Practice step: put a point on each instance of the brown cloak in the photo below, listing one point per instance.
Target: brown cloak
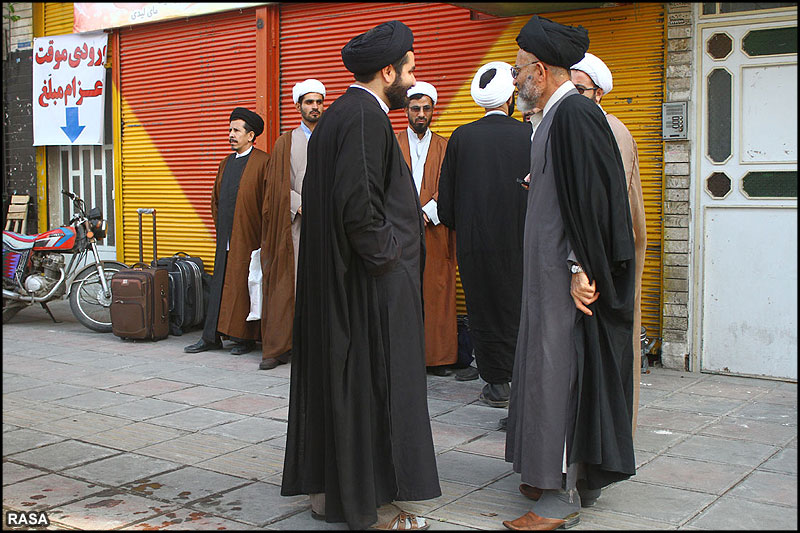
(439, 277)
(630, 160)
(245, 237)
(277, 254)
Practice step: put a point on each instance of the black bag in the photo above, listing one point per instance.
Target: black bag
(466, 351)
(187, 303)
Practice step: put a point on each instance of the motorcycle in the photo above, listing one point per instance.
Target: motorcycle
(34, 271)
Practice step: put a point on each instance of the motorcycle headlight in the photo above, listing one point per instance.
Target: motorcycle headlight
(99, 229)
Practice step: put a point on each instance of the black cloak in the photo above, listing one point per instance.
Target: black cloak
(358, 427)
(593, 199)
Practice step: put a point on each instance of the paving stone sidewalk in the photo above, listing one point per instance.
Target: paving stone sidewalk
(108, 434)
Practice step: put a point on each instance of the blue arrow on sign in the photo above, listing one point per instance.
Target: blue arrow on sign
(72, 129)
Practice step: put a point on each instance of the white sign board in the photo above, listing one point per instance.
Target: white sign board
(69, 90)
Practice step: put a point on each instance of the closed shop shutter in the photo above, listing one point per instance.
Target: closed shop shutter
(179, 82)
(449, 48)
(58, 18)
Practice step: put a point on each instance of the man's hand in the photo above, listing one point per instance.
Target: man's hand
(425, 218)
(583, 293)
(300, 210)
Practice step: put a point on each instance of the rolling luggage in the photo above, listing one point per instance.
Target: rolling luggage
(140, 296)
(187, 305)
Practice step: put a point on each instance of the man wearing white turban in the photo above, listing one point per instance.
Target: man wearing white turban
(423, 151)
(593, 79)
(281, 216)
(480, 198)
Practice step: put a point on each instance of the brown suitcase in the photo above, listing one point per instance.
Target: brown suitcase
(140, 296)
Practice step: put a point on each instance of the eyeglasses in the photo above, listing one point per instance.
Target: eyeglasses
(582, 89)
(417, 109)
(515, 70)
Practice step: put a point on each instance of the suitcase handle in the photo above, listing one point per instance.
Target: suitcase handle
(147, 210)
(139, 265)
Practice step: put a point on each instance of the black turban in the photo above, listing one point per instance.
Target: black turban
(382, 45)
(252, 119)
(553, 43)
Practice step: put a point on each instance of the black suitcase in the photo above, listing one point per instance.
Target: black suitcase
(140, 297)
(187, 305)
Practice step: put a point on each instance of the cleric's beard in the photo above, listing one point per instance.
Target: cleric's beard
(528, 96)
(396, 94)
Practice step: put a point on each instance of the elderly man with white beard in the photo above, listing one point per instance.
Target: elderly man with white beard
(569, 424)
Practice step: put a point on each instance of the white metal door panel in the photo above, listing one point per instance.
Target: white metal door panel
(750, 291)
(745, 300)
(763, 116)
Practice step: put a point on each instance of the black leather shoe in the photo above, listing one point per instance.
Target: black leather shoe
(496, 395)
(438, 370)
(272, 362)
(201, 346)
(241, 348)
(503, 424)
(467, 374)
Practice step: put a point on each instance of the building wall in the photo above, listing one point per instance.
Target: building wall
(19, 155)
(675, 346)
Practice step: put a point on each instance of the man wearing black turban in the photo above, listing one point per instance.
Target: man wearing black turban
(359, 434)
(572, 396)
(236, 208)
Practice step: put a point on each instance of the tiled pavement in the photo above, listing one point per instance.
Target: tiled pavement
(107, 434)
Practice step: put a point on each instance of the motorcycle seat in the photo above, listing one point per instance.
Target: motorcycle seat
(17, 241)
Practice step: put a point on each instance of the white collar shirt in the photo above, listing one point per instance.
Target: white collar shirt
(381, 102)
(418, 150)
(238, 155)
(305, 129)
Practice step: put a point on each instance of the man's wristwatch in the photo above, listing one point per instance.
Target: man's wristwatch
(575, 268)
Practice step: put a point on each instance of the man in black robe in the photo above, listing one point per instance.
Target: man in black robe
(480, 198)
(571, 401)
(236, 209)
(359, 432)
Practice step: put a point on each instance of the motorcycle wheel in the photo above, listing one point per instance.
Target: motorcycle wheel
(10, 310)
(86, 298)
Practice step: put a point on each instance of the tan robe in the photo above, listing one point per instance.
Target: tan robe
(245, 237)
(630, 160)
(297, 167)
(439, 278)
(277, 254)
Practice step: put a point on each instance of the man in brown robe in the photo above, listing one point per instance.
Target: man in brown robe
(236, 208)
(593, 78)
(280, 220)
(439, 278)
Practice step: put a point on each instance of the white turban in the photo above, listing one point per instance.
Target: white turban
(498, 89)
(423, 87)
(308, 86)
(594, 67)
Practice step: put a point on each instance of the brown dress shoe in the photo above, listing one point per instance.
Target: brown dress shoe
(530, 492)
(533, 522)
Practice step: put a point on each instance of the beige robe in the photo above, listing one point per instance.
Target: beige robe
(439, 277)
(297, 167)
(277, 254)
(245, 237)
(630, 160)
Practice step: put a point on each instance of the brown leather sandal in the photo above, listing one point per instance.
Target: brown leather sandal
(403, 521)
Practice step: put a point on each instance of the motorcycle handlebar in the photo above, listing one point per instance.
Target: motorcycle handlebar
(68, 194)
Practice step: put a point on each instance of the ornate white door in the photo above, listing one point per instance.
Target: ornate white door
(746, 194)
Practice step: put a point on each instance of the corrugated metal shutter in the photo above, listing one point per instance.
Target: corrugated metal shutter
(449, 48)
(179, 82)
(58, 18)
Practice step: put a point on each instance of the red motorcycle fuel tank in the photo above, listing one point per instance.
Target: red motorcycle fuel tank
(60, 239)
